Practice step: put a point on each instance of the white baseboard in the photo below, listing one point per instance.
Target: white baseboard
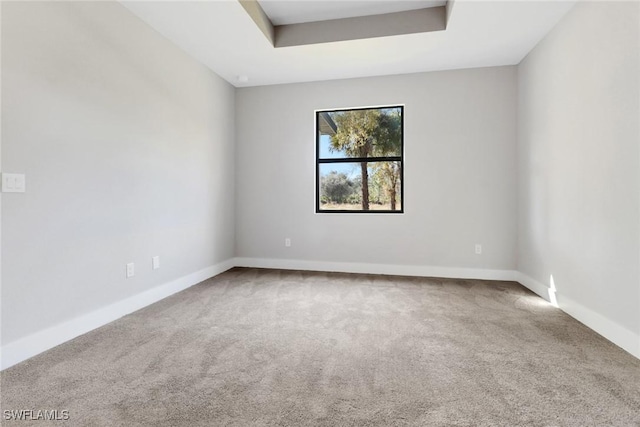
(24, 348)
(612, 331)
(388, 269)
(617, 334)
(31, 345)
(533, 285)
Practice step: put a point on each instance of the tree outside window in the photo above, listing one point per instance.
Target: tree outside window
(359, 154)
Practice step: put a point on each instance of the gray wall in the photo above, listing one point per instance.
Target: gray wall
(127, 146)
(460, 189)
(578, 161)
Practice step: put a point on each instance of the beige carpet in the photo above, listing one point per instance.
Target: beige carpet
(286, 348)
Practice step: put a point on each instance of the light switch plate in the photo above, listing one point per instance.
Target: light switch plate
(13, 183)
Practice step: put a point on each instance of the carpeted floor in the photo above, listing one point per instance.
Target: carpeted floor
(258, 347)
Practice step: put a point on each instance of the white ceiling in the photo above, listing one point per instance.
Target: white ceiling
(221, 35)
(282, 12)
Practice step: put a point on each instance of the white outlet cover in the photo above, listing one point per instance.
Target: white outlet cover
(155, 262)
(131, 270)
(13, 183)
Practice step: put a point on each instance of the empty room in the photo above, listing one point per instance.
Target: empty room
(320, 213)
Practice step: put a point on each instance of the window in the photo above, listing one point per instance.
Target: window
(359, 160)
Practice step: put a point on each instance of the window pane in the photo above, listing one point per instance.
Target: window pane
(326, 152)
(360, 133)
(385, 186)
(340, 186)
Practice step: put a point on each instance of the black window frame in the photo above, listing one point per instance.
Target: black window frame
(399, 159)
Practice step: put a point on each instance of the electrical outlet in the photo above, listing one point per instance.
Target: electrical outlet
(155, 262)
(287, 242)
(131, 270)
(478, 249)
(13, 183)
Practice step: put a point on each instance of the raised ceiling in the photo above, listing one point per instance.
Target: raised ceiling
(346, 28)
(283, 12)
(223, 36)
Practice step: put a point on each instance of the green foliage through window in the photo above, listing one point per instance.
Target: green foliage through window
(359, 155)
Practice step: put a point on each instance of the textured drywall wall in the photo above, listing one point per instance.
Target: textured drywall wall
(460, 177)
(127, 147)
(578, 161)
